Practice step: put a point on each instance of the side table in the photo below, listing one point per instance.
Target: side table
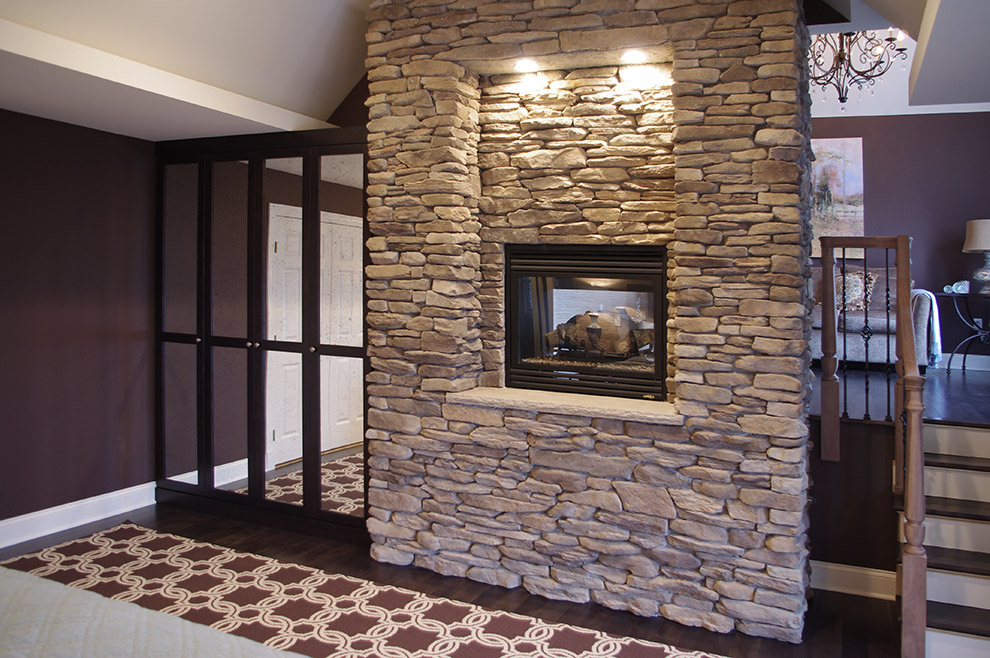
(976, 323)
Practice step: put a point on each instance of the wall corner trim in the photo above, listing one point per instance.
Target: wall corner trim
(848, 579)
(70, 515)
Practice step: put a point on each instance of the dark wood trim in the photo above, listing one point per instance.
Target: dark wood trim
(959, 619)
(958, 561)
(244, 146)
(311, 332)
(204, 328)
(257, 250)
(273, 515)
(159, 274)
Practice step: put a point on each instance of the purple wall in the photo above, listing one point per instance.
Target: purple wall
(925, 176)
(76, 299)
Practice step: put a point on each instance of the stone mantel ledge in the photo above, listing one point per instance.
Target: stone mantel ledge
(576, 404)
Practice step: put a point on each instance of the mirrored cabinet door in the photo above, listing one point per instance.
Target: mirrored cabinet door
(283, 267)
(180, 226)
(341, 319)
(229, 249)
(263, 342)
(180, 427)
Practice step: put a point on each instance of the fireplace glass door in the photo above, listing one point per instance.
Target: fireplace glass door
(586, 320)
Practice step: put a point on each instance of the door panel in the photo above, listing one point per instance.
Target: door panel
(179, 240)
(179, 424)
(283, 427)
(229, 246)
(230, 419)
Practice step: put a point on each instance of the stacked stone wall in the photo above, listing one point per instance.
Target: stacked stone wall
(585, 159)
(697, 515)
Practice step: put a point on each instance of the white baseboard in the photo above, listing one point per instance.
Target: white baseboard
(230, 472)
(973, 362)
(861, 581)
(55, 519)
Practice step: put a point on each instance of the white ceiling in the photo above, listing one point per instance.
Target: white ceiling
(171, 69)
(181, 68)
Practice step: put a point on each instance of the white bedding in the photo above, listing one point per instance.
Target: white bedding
(44, 618)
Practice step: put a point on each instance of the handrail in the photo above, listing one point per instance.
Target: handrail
(908, 449)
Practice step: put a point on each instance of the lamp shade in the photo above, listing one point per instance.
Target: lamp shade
(977, 236)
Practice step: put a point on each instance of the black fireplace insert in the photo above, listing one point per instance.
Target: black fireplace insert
(587, 319)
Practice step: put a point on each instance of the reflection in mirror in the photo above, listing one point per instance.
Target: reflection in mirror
(179, 421)
(230, 426)
(229, 245)
(341, 249)
(283, 189)
(179, 244)
(342, 434)
(283, 427)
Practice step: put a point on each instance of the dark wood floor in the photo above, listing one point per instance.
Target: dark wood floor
(956, 397)
(837, 625)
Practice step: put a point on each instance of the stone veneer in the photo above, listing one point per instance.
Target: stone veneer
(694, 509)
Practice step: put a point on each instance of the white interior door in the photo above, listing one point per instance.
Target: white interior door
(283, 409)
(341, 323)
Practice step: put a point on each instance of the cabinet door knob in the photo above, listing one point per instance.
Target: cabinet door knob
(312, 349)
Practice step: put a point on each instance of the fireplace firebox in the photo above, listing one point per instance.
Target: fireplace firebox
(587, 319)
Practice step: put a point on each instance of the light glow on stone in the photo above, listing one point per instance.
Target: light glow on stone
(633, 57)
(526, 66)
(532, 82)
(642, 77)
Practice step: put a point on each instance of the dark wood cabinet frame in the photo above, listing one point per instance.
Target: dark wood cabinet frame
(255, 150)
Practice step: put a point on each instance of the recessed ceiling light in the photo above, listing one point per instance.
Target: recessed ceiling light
(526, 66)
(634, 57)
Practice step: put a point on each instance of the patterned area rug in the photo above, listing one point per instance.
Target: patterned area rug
(343, 486)
(300, 609)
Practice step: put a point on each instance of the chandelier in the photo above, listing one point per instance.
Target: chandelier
(845, 59)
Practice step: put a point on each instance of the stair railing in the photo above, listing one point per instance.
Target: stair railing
(908, 450)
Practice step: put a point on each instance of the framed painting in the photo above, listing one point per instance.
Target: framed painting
(837, 191)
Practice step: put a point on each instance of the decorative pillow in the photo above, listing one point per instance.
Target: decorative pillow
(858, 289)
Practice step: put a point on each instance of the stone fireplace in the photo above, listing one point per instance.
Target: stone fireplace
(694, 507)
(586, 319)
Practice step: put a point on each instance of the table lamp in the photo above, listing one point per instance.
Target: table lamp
(978, 240)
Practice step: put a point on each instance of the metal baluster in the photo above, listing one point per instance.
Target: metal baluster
(845, 353)
(866, 333)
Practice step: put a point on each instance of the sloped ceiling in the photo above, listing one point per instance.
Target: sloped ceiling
(191, 68)
(953, 52)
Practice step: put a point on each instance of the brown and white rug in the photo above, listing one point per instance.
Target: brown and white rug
(342, 482)
(342, 486)
(301, 609)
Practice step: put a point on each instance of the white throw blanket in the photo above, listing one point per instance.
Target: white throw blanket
(934, 327)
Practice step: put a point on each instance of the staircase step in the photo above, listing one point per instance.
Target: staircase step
(956, 483)
(946, 644)
(952, 559)
(958, 588)
(959, 619)
(957, 508)
(961, 534)
(961, 462)
(956, 440)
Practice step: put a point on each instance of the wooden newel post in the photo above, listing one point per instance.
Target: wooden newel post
(829, 381)
(914, 561)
